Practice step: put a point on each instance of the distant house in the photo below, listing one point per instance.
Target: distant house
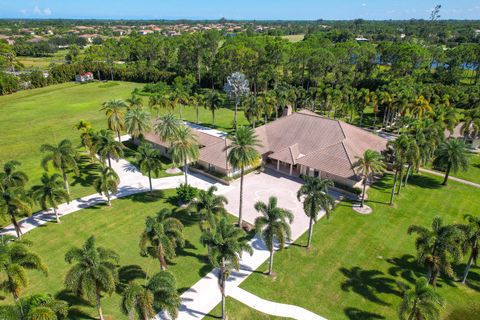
(361, 39)
(473, 141)
(84, 77)
(144, 32)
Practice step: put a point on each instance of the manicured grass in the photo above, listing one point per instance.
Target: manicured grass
(294, 37)
(238, 311)
(43, 62)
(352, 270)
(117, 227)
(473, 172)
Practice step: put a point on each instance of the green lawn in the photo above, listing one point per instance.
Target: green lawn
(117, 227)
(352, 270)
(473, 172)
(43, 62)
(238, 311)
(294, 37)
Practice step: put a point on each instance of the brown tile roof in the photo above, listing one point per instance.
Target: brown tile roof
(321, 143)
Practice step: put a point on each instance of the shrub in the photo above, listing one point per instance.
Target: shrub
(186, 193)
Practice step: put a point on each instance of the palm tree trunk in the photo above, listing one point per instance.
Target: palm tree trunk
(222, 282)
(363, 192)
(109, 161)
(109, 203)
(185, 169)
(99, 306)
(407, 176)
(241, 199)
(65, 182)
(213, 119)
(270, 263)
(56, 214)
(413, 312)
(394, 186)
(150, 180)
(400, 184)
(196, 111)
(18, 230)
(470, 261)
(447, 173)
(161, 259)
(235, 115)
(119, 136)
(310, 233)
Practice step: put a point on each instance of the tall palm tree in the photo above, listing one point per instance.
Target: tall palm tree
(167, 127)
(315, 196)
(87, 136)
(180, 98)
(421, 302)
(213, 102)
(107, 147)
(106, 182)
(472, 234)
(197, 100)
(226, 245)
(437, 248)
(242, 154)
(50, 193)
(252, 109)
(452, 155)
(161, 236)
(185, 149)
(159, 292)
(370, 164)
(115, 111)
(210, 207)
(14, 202)
(10, 177)
(273, 225)
(155, 103)
(15, 259)
(149, 159)
(63, 158)
(137, 122)
(95, 272)
(135, 101)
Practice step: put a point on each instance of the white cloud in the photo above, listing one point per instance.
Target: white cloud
(23, 11)
(37, 10)
(364, 4)
(47, 11)
(42, 12)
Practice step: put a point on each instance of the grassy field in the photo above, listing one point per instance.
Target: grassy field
(352, 270)
(43, 62)
(238, 311)
(117, 227)
(473, 172)
(294, 37)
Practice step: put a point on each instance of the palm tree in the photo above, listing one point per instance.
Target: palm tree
(149, 159)
(107, 148)
(95, 272)
(14, 202)
(315, 198)
(160, 292)
(161, 236)
(419, 303)
(273, 226)
(87, 136)
(36, 307)
(242, 155)
(50, 193)
(213, 102)
(11, 177)
(370, 164)
(185, 149)
(452, 155)
(134, 101)
(15, 259)
(472, 234)
(167, 127)
(63, 158)
(226, 245)
(197, 100)
(115, 112)
(106, 182)
(137, 122)
(180, 98)
(210, 207)
(437, 248)
(252, 109)
(155, 103)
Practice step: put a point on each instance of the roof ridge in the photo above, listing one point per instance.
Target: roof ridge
(348, 155)
(341, 128)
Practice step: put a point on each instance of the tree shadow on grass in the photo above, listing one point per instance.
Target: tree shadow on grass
(129, 273)
(473, 279)
(368, 283)
(357, 314)
(75, 313)
(147, 197)
(72, 299)
(88, 172)
(424, 182)
(405, 267)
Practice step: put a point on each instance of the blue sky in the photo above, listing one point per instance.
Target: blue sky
(238, 9)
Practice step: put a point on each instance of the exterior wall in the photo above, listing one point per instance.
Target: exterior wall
(325, 175)
(208, 168)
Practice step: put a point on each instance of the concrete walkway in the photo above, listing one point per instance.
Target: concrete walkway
(272, 308)
(440, 174)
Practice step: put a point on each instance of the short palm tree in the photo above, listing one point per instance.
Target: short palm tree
(155, 103)
(36, 307)
(315, 196)
(15, 259)
(137, 122)
(210, 207)
(50, 193)
(161, 236)
(185, 149)
(14, 203)
(115, 111)
(167, 127)
(107, 148)
(242, 154)
(135, 101)
(213, 102)
(10, 177)
(419, 303)
(370, 164)
(94, 273)
(149, 159)
(63, 158)
(87, 136)
(452, 155)
(226, 245)
(438, 248)
(106, 182)
(472, 235)
(159, 292)
(273, 225)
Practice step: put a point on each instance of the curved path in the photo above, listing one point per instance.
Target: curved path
(440, 174)
(272, 308)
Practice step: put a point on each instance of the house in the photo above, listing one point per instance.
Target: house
(473, 141)
(299, 143)
(84, 77)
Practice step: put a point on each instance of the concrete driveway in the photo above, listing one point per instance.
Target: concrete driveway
(259, 187)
